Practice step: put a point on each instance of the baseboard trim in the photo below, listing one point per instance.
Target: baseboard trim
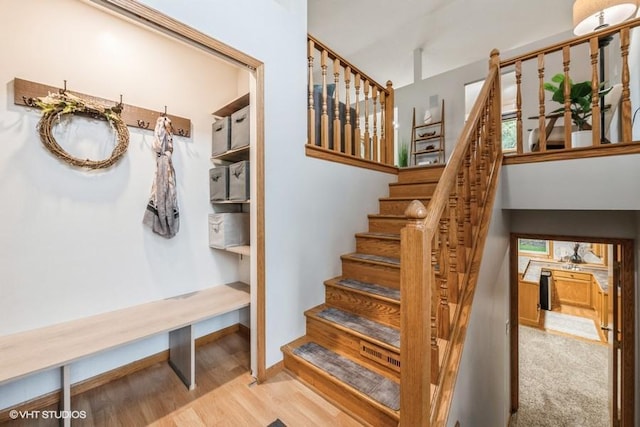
(274, 370)
(52, 398)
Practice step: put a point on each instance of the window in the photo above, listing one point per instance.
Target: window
(508, 84)
(509, 138)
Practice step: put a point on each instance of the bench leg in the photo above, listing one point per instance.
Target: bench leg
(65, 403)
(182, 355)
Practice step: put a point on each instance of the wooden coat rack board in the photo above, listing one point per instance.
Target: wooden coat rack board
(133, 116)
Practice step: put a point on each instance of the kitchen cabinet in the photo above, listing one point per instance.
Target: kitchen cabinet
(573, 288)
(528, 303)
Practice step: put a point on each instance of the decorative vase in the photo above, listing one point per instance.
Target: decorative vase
(581, 138)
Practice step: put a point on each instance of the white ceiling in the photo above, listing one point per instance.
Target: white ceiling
(379, 36)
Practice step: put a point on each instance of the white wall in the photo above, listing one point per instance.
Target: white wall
(73, 243)
(313, 207)
(597, 183)
(481, 396)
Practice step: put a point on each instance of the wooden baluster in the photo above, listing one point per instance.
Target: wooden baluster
(473, 171)
(348, 147)
(566, 60)
(462, 252)
(367, 135)
(324, 118)
(454, 290)
(483, 140)
(542, 128)
(357, 137)
(595, 97)
(519, 144)
(416, 358)
(389, 135)
(435, 303)
(337, 143)
(625, 104)
(444, 326)
(374, 142)
(468, 226)
(495, 112)
(383, 129)
(311, 116)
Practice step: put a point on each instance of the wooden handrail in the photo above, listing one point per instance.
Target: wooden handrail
(609, 31)
(437, 247)
(374, 141)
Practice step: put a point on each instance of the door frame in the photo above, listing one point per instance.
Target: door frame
(158, 21)
(627, 275)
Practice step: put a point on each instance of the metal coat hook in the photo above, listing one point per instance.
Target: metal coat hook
(165, 111)
(142, 124)
(63, 91)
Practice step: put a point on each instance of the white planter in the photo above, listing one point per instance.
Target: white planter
(581, 138)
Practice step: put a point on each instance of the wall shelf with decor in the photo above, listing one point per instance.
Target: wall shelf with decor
(229, 191)
(427, 140)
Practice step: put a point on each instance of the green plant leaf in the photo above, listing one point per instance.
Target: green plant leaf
(558, 78)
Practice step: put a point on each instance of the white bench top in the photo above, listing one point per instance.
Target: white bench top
(28, 352)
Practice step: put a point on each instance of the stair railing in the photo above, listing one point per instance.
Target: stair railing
(578, 59)
(437, 247)
(350, 115)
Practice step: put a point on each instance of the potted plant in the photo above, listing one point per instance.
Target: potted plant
(580, 99)
(403, 155)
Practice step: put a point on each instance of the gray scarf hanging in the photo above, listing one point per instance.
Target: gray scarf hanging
(162, 213)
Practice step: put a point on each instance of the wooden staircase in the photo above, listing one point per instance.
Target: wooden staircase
(358, 326)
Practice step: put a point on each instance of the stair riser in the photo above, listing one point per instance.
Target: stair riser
(416, 190)
(386, 225)
(422, 174)
(384, 312)
(340, 396)
(373, 246)
(345, 344)
(371, 273)
(397, 207)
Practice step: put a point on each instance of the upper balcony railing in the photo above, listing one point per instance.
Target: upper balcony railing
(350, 116)
(552, 120)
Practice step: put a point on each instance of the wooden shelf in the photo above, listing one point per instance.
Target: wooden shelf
(429, 124)
(242, 250)
(430, 151)
(229, 202)
(431, 141)
(236, 155)
(233, 106)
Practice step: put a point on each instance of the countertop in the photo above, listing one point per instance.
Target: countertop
(532, 268)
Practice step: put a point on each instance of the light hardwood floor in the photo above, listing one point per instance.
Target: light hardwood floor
(226, 395)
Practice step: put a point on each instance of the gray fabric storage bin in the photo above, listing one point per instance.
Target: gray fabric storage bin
(228, 229)
(221, 140)
(219, 183)
(239, 181)
(240, 128)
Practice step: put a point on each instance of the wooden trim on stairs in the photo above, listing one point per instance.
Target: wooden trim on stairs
(334, 156)
(449, 369)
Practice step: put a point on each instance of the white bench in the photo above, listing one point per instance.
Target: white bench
(59, 345)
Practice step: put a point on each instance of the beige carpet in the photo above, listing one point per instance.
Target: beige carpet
(563, 381)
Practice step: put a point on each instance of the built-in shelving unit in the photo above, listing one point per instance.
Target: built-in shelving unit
(427, 140)
(233, 156)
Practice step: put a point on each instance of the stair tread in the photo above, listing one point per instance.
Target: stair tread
(403, 198)
(377, 387)
(376, 258)
(386, 236)
(372, 288)
(369, 328)
(387, 216)
(421, 181)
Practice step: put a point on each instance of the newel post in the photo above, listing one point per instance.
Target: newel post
(415, 326)
(496, 108)
(389, 130)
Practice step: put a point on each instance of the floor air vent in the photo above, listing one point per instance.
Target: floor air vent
(380, 355)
